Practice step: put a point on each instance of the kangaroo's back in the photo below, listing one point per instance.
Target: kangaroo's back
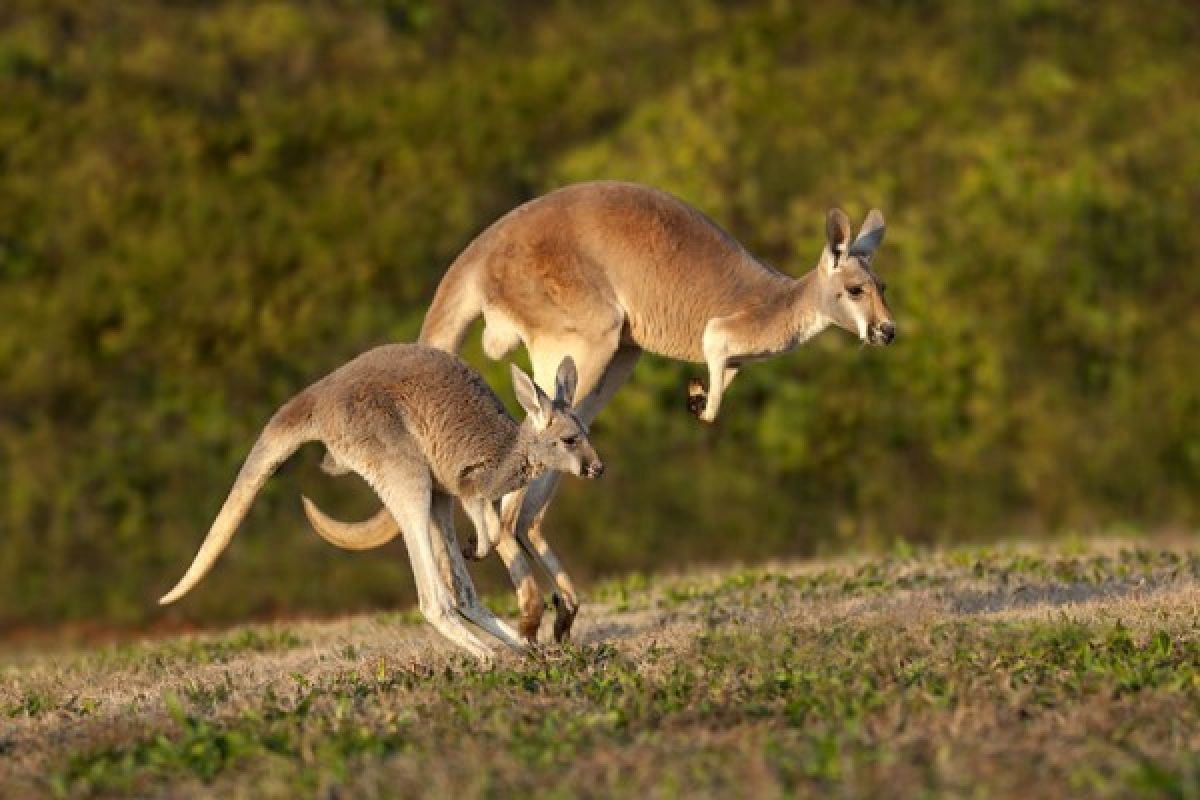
(594, 253)
(414, 396)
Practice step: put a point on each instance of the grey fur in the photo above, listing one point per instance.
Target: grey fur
(421, 427)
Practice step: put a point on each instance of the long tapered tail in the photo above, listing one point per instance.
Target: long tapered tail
(378, 530)
(276, 443)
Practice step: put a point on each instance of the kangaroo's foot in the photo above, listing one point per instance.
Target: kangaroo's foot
(445, 619)
(697, 399)
(480, 615)
(564, 617)
(529, 600)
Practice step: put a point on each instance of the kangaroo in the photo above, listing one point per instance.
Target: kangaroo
(421, 427)
(605, 270)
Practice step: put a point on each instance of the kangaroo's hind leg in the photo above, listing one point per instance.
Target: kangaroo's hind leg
(529, 596)
(406, 488)
(454, 571)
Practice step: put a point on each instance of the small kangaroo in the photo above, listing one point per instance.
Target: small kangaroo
(605, 270)
(421, 427)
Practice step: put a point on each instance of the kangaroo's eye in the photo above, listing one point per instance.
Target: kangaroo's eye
(855, 291)
(570, 441)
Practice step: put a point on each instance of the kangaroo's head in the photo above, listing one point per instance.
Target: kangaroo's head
(851, 295)
(557, 438)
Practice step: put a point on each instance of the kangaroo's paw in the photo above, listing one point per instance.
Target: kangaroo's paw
(697, 397)
(468, 546)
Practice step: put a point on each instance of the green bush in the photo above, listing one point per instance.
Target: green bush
(203, 207)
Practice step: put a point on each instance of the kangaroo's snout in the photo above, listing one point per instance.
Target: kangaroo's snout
(593, 469)
(884, 333)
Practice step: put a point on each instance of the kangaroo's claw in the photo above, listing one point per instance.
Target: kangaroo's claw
(697, 397)
(468, 546)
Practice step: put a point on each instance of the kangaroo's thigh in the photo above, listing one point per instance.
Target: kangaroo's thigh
(615, 374)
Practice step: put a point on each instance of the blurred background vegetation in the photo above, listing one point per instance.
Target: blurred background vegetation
(205, 206)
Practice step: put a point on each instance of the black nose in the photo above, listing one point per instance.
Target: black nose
(595, 469)
(887, 331)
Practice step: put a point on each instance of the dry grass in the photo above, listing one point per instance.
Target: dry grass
(991, 672)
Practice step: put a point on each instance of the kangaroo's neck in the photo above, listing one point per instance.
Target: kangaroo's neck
(511, 471)
(805, 318)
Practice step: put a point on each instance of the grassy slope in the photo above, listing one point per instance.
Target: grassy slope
(1071, 668)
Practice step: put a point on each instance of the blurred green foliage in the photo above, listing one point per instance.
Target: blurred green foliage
(203, 207)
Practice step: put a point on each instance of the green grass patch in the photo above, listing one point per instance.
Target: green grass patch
(851, 678)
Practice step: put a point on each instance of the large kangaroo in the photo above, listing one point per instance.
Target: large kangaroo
(421, 427)
(602, 271)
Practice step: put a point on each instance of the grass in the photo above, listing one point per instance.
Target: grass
(1044, 671)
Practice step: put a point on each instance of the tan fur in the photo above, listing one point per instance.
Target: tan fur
(604, 270)
(614, 263)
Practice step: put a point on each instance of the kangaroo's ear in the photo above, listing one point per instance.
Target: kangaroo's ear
(565, 382)
(870, 236)
(837, 235)
(535, 402)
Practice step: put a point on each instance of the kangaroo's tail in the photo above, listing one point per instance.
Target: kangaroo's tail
(378, 530)
(283, 435)
(456, 304)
